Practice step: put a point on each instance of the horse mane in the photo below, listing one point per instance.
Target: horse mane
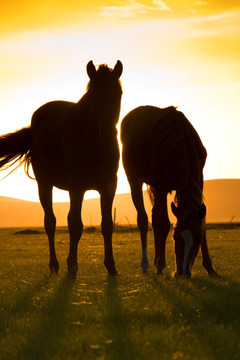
(189, 196)
(188, 200)
(170, 140)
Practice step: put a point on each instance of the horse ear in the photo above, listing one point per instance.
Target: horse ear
(202, 211)
(118, 68)
(174, 209)
(91, 70)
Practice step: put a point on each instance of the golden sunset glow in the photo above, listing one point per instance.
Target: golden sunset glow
(182, 53)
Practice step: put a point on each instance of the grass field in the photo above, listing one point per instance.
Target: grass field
(128, 317)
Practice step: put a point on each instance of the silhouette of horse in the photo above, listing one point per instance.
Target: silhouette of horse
(162, 149)
(74, 147)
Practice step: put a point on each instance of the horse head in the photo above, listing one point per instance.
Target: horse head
(105, 93)
(188, 236)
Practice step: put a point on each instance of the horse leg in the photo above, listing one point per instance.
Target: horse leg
(45, 197)
(75, 226)
(161, 226)
(142, 220)
(206, 260)
(106, 198)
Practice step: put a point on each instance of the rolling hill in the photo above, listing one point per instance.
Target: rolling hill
(222, 198)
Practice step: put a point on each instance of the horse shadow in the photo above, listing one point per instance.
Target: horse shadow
(117, 324)
(50, 327)
(205, 306)
(19, 308)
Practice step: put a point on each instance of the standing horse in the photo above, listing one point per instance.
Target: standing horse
(74, 147)
(162, 149)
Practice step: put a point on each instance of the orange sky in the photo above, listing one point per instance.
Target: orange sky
(183, 53)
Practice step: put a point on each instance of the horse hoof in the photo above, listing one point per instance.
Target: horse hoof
(72, 270)
(213, 274)
(145, 267)
(182, 276)
(111, 268)
(71, 275)
(145, 270)
(113, 274)
(160, 270)
(54, 268)
(112, 271)
(53, 273)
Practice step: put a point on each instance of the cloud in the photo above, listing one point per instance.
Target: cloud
(134, 8)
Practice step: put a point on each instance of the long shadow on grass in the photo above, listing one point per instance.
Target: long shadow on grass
(117, 325)
(210, 309)
(49, 330)
(219, 299)
(21, 306)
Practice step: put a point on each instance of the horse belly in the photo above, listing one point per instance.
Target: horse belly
(92, 165)
(47, 153)
(136, 159)
(49, 168)
(136, 136)
(48, 161)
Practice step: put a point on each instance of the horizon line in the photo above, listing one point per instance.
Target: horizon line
(96, 197)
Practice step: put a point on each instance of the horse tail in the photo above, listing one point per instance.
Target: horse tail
(15, 150)
(151, 193)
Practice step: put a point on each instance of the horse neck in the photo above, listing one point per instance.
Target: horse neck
(103, 129)
(188, 188)
(189, 198)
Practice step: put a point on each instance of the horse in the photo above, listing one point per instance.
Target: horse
(162, 149)
(74, 147)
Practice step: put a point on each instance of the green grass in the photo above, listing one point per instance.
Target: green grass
(128, 317)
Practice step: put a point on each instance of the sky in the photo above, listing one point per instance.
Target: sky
(181, 53)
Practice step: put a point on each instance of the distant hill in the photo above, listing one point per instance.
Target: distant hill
(222, 198)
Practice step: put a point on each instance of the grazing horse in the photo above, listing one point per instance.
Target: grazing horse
(162, 149)
(74, 147)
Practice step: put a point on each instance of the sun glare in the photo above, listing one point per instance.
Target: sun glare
(170, 56)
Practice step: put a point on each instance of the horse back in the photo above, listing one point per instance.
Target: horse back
(67, 148)
(177, 151)
(196, 150)
(48, 124)
(160, 145)
(138, 137)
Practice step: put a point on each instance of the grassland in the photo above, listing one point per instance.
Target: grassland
(128, 317)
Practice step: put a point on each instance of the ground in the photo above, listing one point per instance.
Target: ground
(128, 317)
